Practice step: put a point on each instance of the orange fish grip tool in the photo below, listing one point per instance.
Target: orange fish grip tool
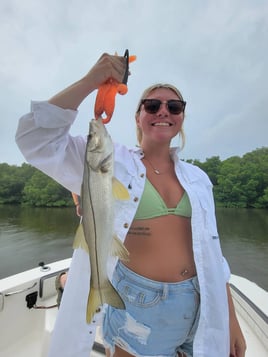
(105, 99)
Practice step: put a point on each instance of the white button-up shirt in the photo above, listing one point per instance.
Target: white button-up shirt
(44, 139)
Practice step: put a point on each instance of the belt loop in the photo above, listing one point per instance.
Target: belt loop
(164, 292)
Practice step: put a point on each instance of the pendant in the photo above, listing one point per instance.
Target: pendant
(156, 172)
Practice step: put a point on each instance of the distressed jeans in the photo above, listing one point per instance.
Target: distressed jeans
(160, 318)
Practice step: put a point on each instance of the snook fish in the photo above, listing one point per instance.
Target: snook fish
(99, 188)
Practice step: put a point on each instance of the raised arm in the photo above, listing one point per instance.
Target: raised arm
(106, 67)
(43, 134)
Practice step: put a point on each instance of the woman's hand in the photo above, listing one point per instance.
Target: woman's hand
(107, 66)
(237, 341)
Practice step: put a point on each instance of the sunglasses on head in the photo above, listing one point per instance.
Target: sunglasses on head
(174, 106)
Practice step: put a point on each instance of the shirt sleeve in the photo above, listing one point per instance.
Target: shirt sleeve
(226, 269)
(44, 139)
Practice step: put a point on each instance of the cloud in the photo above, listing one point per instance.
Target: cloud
(214, 51)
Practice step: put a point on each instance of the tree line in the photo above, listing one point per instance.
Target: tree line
(238, 182)
(26, 185)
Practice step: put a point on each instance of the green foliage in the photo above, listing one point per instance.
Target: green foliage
(12, 180)
(29, 186)
(238, 182)
(211, 167)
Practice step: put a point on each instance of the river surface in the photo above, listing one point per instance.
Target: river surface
(29, 236)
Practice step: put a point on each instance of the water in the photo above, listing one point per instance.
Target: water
(244, 240)
(29, 236)
(32, 235)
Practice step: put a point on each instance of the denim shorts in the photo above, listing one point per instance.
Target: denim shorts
(160, 318)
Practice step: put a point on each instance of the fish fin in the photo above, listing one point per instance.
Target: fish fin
(119, 250)
(111, 297)
(106, 295)
(120, 192)
(79, 239)
(93, 303)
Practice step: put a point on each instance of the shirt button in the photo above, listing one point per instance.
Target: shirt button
(142, 175)
(136, 199)
(125, 225)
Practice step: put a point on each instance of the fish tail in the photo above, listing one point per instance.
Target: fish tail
(93, 304)
(111, 297)
(106, 295)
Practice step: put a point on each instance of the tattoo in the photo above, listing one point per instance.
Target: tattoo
(140, 231)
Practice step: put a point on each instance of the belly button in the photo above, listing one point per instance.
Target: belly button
(184, 272)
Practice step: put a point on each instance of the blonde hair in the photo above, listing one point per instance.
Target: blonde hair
(146, 92)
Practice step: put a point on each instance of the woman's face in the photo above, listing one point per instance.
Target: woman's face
(161, 126)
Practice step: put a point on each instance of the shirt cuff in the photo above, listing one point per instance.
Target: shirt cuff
(47, 115)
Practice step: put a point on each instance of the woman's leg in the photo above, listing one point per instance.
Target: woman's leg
(118, 353)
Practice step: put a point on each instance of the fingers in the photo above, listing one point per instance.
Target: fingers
(112, 66)
(238, 348)
(107, 67)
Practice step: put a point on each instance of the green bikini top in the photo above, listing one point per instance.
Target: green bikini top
(152, 205)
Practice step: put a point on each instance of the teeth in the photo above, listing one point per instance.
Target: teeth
(161, 124)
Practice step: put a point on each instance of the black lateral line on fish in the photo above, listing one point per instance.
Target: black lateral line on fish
(95, 234)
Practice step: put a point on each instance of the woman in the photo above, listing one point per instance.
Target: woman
(76, 200)
(175, 284)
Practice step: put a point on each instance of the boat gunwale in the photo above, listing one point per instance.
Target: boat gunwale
(256, 309)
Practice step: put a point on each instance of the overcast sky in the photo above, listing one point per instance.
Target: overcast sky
(214, 51)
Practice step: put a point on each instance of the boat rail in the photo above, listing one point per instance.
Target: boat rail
(19, 291)
(255, 318)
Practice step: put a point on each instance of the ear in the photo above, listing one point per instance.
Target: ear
(137, 117)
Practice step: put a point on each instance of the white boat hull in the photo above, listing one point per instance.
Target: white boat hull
(27, 332)
(251, 304)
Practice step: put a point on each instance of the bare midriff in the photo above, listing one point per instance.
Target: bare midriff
(161, 248)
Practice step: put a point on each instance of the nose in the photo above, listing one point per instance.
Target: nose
(163, 110)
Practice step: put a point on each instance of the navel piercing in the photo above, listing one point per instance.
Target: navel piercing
(184, 272)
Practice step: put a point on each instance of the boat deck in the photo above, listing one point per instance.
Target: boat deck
(27, 332)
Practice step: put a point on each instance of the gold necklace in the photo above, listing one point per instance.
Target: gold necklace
(155, 170)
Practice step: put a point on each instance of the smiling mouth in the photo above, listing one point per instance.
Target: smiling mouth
(161, 124)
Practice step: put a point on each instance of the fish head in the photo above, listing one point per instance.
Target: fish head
(99, 151)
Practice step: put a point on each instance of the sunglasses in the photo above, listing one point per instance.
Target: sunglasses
(174, 106)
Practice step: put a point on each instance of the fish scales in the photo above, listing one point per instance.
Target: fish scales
(96, 234)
